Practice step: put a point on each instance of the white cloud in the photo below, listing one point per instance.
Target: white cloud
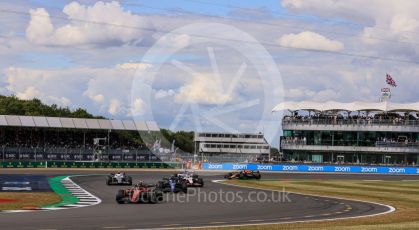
(349, 9)
(40, 26)
(390, 25)
(60, 100)
(310, 40)
(203, 89)
(133, 65)
(164, 93)
(108, 89)
(114, 107)
(48, 86)
(138, 107)
(99, 24)
(98, 98)
(175, 41)
(29, 93)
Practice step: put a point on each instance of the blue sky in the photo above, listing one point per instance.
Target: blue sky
(206, 65)
(220, 8)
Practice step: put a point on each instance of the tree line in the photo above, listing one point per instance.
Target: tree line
(11, 105)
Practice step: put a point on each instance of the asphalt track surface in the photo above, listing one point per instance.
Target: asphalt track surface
(178, 212)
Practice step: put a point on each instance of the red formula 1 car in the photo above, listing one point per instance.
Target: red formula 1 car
(140, 193)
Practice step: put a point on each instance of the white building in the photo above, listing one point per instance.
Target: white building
(225, 146)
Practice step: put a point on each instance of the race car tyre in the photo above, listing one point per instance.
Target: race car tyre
(120, 197)
(144, 197)
(241, 175)
(129, 180)
(184, 188)
(160, 185)
(109, 180)
(258, 176)
(153, 198)
(201, 182)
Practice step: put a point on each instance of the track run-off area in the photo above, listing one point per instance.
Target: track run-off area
(215, 204)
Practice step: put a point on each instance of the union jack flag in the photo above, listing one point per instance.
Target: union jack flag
(390, 80)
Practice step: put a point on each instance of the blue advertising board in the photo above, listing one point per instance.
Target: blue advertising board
(314, 168)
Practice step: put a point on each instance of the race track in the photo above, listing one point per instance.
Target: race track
(195, 212)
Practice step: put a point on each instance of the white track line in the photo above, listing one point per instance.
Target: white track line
(391, 209)
(84, 197)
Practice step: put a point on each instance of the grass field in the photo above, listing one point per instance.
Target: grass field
(27, 200)
(403, 195)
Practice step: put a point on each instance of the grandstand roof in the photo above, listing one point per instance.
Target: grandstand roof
(77, 123)
(352, 106)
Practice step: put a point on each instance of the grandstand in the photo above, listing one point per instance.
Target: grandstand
(229, 147)
(352, 133)
(38, 138)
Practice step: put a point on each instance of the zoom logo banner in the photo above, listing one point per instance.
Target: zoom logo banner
(313, 168)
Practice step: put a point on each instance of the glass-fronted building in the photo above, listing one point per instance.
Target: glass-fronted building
(230, 147)
(356, 133)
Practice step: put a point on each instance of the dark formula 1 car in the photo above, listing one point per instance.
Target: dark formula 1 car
(118, 179)
(173, 184)
(191, 179)
(140, 193)
(244, 174)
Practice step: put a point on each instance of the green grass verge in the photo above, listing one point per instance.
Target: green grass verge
(403, 195)
(62, 192)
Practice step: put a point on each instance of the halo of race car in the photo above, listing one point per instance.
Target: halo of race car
(177, 183)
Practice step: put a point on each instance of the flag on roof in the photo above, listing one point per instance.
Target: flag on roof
(390, 80)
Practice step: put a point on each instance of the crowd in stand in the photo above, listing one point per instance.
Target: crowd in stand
(294, 140)
(380, 142)
(387, 118)
(70, 139)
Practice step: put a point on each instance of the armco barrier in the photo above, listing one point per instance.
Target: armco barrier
(314, 168)
(64, 164)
